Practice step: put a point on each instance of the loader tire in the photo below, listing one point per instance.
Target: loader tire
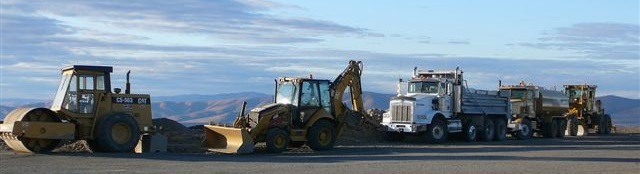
(562, 127)
(526, 131)
(277, 140)
(501, 130)
(393, 136)
(608, 124)
(436, 131)
(488, 131)
(117, 133)
(572, 126)
(322, 135)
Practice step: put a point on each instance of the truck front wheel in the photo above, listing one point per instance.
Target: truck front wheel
(436, 131)
(525, 131)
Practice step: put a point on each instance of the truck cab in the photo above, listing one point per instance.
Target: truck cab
(437, 103)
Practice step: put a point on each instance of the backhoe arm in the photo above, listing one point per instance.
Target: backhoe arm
(350, 77)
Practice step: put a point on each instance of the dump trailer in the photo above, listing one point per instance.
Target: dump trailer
(437, 104)
(536, 109)
(305, 110)
(85, 108)
(586, 111)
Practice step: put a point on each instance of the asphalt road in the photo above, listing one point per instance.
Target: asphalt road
(592, 154)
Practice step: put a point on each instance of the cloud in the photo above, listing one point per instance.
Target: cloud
(459, 42)
(593, 40)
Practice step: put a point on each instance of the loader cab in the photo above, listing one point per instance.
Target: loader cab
(80, 87)
(306, 94)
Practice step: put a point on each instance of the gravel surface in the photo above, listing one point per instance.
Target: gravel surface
(592, 154)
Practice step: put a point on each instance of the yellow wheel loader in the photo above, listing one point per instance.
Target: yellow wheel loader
(84, 108)
(305, 110)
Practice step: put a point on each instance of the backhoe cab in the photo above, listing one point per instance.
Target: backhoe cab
(84, 108)
(305, 110)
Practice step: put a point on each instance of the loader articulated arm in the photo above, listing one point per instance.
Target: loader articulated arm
(350, 77)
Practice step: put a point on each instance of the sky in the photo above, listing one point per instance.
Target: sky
(228, 46)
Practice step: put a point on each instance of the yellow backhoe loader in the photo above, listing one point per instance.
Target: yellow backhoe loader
(305, 110)
(84, 108)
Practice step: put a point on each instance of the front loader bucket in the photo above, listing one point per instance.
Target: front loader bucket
(227, 139)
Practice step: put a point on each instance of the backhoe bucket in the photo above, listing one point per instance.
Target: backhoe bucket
(227, 139)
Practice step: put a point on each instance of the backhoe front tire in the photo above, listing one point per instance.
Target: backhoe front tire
(117, 133)
(322, 135)
(277, 140)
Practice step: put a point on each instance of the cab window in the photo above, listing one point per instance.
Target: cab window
(310, 94)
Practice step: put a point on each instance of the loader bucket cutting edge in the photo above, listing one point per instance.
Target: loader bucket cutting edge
(227, 139)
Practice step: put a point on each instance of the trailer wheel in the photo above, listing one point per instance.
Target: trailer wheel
(525, 132)
(562, 127)
(118, 133)
(436, 131)
(573, 126)
(469, 133)
(322, 135)
(488, 133)
(501, 130)
(393, 136)
(277, 140)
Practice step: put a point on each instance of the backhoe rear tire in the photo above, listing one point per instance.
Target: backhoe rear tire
(277, 140)
(117, 133)
(322, 135)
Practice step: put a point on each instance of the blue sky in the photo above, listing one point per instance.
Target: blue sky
(225, 46)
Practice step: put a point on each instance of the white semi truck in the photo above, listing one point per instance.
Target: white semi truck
(438, 103)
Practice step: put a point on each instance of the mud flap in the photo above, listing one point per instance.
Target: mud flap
(227, 139)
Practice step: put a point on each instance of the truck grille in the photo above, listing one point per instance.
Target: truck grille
(401, 112)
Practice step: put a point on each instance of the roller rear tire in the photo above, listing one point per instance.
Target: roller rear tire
(117, 133)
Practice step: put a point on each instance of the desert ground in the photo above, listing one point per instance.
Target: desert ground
(618, 153)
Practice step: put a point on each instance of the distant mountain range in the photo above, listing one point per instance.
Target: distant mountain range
(223, 108)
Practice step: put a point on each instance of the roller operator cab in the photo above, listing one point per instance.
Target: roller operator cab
(437, 104)
(85, 108)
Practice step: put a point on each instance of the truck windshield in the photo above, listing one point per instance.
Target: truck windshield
(61, 92)
(518, 94)
(423, 87)
(287, 93)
